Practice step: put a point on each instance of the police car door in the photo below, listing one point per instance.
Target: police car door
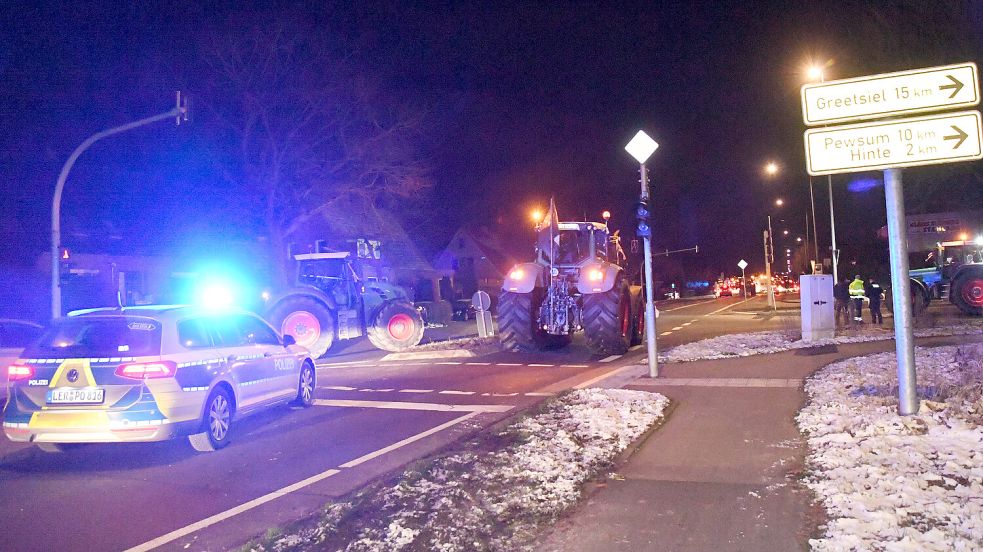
(275, 369)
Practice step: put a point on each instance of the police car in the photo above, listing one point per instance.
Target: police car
(149, 374)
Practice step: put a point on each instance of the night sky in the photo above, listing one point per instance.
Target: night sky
(522, 102)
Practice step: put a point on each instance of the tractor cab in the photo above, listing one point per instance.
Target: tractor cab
(576, 242)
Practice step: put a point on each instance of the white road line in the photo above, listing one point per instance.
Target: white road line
(610, 358)
(686, 323)
(449, 363)
(677, 328)
(453, 392)
(336, 387)
(688, 306)
(538, 394)
(727, 307)
(592, 381)
(477, 364)
(396, 405)
(389, 390)
(574, 366)
(665, 333)
(408, 440)
(416, 390)
(222, 516)
(541, 365)
(507, 364)
(635, 348)
(348, 363)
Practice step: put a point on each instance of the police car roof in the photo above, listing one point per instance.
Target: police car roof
(154, 311)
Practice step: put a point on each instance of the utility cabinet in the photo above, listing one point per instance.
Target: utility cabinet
(816, 294)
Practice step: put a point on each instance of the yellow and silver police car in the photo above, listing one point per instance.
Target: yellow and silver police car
(149, 374)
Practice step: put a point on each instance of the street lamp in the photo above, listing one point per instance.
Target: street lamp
(641, 147)
(817, 72)
(536, 215)
(180, 112)
(779, 202)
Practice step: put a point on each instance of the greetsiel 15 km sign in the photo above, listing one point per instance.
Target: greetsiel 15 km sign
(891, 94)
(927, 140)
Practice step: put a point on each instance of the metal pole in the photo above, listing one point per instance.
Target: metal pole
(807, 239)
(815, 236)
(744, 284)
(60, 186)
(769, 258)
(904, 339)
(653, 350)
(832, 229)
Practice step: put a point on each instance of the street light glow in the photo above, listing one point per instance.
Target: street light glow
(771, 168)
(815, 72)
(641, 146)
(536, 215)
(779, 202)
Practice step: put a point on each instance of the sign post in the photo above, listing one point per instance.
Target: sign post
(891, 145)
(641, 147)
(742, 265)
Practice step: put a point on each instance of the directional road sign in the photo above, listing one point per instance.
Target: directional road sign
(742, 265)
(891, 94)
(927, 140)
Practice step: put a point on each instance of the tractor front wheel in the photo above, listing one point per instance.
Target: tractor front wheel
(967, 292)
(308, 320)
(396, 327)
(608, 321)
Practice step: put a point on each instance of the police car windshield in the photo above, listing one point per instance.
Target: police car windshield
(116, 336)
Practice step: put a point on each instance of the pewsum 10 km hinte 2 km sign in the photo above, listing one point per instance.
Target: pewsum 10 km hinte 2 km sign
(891, 94)
(927, 140)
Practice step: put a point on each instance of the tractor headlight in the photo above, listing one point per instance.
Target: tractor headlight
(517, 274)
(595, 274)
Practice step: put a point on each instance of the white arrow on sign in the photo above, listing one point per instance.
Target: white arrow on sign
(928, 140)
(742, 265)
(891, 94)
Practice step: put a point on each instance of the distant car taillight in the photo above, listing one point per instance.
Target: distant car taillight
(17, 372)
(147, 370)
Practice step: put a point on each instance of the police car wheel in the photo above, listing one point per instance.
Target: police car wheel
(305, 387)
(216, 423)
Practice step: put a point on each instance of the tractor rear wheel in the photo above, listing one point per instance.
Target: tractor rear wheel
(638, 318)
(518, 321)
(308, 320)
(967, 292)
(608, 320)
(396, 327)
(919, 298)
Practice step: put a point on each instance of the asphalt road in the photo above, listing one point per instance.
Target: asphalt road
(370, 418)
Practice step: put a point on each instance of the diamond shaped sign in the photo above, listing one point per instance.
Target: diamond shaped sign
(641, 146)
(742, 265)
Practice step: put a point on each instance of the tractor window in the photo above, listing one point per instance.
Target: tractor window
(322, 273)
(574, 246)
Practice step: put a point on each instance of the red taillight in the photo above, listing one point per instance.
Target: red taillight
(147, 370)
(16, 372)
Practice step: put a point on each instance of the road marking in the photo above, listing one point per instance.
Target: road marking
(396, 405)
(416, 390)
(390, 390)
(721, 382)
(452, 392)
(477, 364)
(542, 365)
(336, 387)
(606, 375)
(610, 358)
(688, 306)
(635, 348)
(449, 363)
(539, 394)
(727, 307)
(222, 516)
(686, 323)
(677, 328)
(507, 364)
(347, 363)
(574, 366)
(665, 333)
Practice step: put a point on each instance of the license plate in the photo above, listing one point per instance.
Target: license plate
(86, 395)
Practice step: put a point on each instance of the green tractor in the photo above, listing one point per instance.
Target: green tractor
(578, 282)
(954, 272)
(338, 296)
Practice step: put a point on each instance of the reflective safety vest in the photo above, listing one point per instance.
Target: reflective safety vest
(857, 288)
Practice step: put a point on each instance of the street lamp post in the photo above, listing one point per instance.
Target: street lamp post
(180, 111)
(641, 147)
(816, 72)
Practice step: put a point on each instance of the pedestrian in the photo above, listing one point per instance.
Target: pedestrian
(875, 294)
(841, 301)
(857, 296)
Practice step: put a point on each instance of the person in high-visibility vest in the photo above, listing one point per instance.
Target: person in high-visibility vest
(857, 295)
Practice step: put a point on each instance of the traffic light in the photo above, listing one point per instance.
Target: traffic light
(642, 214)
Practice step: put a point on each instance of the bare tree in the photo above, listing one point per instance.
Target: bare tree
(305, 127)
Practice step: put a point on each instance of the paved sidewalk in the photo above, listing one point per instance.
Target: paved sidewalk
(721, 473)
